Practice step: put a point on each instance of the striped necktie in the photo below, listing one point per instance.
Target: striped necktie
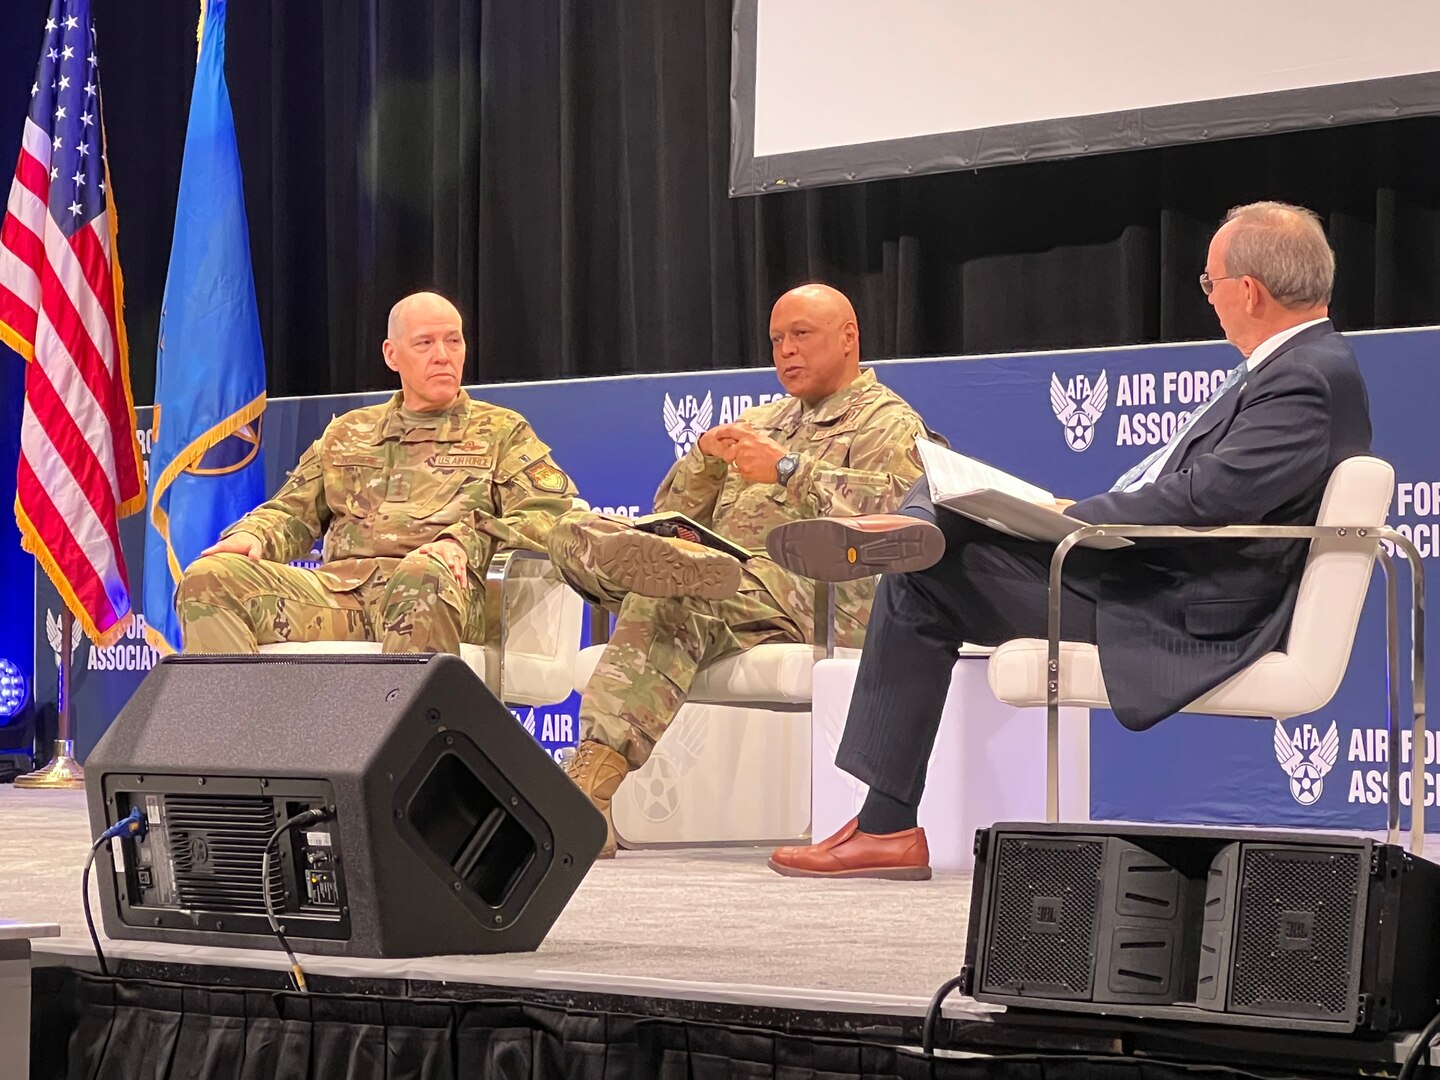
(1137, 476)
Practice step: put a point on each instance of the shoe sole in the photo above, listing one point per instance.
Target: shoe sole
(653, 566)
(885, 873)
(829, 549)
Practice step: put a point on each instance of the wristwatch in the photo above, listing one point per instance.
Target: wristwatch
(785, 468)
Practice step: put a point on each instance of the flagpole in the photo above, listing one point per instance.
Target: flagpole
(63, 771)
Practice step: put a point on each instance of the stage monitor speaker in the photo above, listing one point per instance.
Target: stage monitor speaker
(1289, 930)
(450, 830)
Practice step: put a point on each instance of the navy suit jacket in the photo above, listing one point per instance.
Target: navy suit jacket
(1175, 620)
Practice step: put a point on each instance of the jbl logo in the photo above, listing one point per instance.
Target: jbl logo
(1297, 930)
(1045, 915)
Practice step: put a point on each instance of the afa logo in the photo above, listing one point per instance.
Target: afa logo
(56, 638)
(686, 420)
(655, 786)
(1306, 759)
(1078, 405)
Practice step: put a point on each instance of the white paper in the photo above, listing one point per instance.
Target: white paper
(997, 499)
(952, 474)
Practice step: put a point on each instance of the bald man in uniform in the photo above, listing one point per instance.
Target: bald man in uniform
(412, 498)
(840, 440)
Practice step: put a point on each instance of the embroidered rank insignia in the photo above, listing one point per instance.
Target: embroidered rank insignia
(398, 489)
(547, 477)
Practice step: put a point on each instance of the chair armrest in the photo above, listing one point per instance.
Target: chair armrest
(1219, 532)
(497, 578)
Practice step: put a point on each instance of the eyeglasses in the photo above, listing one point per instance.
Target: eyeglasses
(1207, 283)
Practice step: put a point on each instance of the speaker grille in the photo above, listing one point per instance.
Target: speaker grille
(217, 844)
(1295, 933)
(1042, 930)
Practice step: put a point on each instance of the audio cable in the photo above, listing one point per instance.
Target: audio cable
(133, 826)
(305, 817)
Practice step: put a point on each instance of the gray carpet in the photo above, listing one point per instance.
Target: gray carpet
(703, 925)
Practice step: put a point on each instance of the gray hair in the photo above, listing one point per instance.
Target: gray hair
(1284, 248)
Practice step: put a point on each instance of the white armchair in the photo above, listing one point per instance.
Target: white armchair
(1344, 544)
(532, 657)
(734, 766)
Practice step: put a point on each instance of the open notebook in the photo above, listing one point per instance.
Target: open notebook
(670, 523)
(997, 499)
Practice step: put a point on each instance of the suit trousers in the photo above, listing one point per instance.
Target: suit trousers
(986, 589)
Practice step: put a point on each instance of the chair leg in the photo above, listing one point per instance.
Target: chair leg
(1052, 761)
(1392, 703)
(1417, 681)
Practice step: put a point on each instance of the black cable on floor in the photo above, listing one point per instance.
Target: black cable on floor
(305, 817)
(1420, 1051)
(932, 1015)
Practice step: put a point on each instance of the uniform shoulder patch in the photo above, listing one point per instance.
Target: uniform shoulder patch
(546, 476)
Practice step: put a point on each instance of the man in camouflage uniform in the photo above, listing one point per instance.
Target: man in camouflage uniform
(841, 440)
(412, 498)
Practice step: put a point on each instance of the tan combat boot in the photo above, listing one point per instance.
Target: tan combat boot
(662, 566)
(597, 771)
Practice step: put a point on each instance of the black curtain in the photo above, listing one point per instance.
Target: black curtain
(84, 1026)
(559, 168)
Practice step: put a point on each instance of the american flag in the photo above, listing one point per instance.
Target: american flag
(60, 308)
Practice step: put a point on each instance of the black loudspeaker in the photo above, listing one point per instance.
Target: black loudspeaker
(1289, 930)
(450, 830)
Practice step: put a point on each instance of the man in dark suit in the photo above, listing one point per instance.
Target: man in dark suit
(1171, 622)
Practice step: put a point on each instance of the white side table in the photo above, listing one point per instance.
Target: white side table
(15, 938)
(988, 764)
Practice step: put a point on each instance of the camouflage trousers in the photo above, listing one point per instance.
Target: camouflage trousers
(646, 670)
(230, 604)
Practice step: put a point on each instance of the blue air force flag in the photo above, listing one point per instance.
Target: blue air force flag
(205, 463)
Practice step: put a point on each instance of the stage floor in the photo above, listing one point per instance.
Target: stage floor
(714, 925)
(703, 935)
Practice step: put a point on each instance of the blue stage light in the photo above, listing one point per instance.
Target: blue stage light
(12, 689)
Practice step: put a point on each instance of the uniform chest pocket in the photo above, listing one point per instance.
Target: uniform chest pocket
(355, 482)
(445, 498)
(832, 446)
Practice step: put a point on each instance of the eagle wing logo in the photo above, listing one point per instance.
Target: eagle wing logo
(1307, 771)
(54, 634)
(687, 420)
(1078, 416)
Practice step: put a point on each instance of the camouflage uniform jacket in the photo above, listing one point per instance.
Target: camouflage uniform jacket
(378, 485)
(857, 456)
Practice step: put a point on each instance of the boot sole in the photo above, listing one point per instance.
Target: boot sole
(885, 873)
(830, 549)
(653, 566)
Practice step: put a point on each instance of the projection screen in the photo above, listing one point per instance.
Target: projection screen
(836, 91)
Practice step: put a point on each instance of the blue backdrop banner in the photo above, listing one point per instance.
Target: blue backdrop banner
(1071, 422)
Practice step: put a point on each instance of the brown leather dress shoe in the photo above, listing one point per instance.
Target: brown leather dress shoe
(844, 549)
(850, 853)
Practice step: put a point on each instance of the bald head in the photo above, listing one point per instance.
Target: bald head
(815, 341)
(822, 300)
(417, 305)
(425, 346)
